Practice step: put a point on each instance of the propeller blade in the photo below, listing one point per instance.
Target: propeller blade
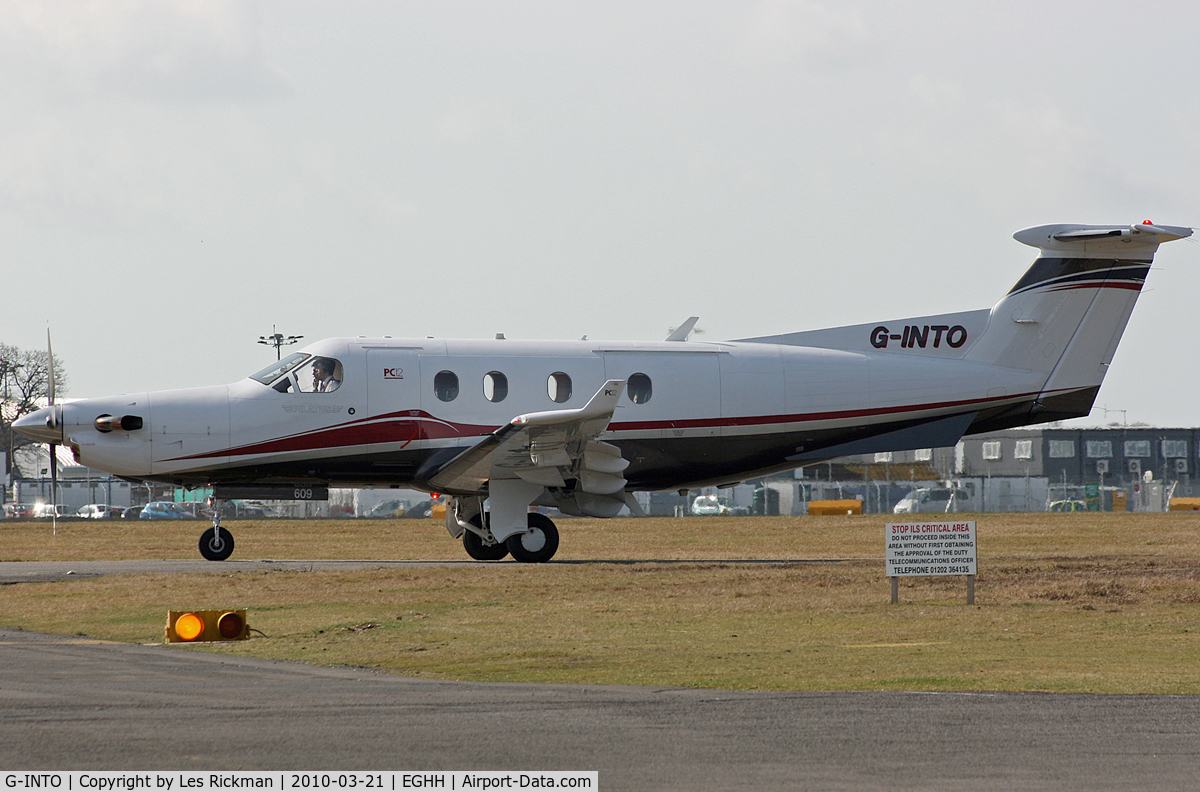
(50, 384)
(53, 423)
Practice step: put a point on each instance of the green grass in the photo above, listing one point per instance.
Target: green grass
(1078, 603)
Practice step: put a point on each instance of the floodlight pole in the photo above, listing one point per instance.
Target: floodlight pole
(277, 340)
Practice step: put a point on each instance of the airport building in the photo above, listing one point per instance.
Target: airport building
(1119, 456)
(1109, 467)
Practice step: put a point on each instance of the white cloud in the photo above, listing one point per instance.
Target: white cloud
(788, 31)
(152, 50)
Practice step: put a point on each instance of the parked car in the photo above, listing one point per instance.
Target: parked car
(164, 510)
(419, 511)
(131, 512)
(709, 505)
(388, 508)
(15, 510)
(933, 499)
(1068, 505)
(98, 511)
(49, 510)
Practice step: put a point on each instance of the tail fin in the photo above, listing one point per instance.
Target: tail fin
(1065, 316)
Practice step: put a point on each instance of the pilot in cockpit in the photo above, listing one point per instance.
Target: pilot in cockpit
(323, 380)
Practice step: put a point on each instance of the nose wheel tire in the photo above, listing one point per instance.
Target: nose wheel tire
(536, 545)
(216, 544)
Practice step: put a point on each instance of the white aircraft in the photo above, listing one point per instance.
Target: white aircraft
(500, 425)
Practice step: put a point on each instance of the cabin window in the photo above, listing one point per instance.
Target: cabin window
(325, 376)
(558, 386)
(445, 385)
(495, 386)
(302, 373)
(639, 388)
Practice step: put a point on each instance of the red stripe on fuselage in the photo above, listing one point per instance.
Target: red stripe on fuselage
(403, 427)
(392, 428)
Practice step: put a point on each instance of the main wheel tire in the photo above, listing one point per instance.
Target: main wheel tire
(536, 545)
(216, 544)
(479, 549)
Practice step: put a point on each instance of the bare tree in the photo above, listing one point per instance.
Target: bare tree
(24, 388)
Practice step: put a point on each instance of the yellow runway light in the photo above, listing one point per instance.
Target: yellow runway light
(207, 625)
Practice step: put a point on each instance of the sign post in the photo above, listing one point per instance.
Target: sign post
(919, 549)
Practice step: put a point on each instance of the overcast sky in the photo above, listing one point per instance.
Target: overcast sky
(176, 177)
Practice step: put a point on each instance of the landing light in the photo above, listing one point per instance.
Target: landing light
(207, 625)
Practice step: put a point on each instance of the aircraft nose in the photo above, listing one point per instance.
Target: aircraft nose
(40, 426)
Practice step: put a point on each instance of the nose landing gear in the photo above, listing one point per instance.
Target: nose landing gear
(216, 544)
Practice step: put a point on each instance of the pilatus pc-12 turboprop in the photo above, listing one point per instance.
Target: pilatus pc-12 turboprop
(501, 425)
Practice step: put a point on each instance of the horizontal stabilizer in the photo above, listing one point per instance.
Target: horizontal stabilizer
(1096, 241)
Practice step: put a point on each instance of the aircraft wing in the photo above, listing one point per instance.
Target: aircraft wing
(544, 448)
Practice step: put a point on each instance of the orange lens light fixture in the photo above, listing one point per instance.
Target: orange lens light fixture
(207, 625)
(189, 627)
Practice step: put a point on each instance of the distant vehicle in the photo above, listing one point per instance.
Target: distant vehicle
(387, 508)
(933, 499)
(98, 511)
(244, 509)
(1068, 505)
(15, 510)
(48, 510)
(419, 511)
(708, 505)
(132, 512)
(164, 510)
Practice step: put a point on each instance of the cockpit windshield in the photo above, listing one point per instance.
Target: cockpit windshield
(302, 373)
(277, 370)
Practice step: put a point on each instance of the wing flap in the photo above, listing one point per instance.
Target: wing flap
(546, 448)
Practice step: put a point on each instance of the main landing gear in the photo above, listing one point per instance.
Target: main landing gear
(216, 544)
(535, 545)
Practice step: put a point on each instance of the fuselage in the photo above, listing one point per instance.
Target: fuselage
(692, 414)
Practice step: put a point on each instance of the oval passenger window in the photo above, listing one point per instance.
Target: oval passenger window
(445, 385)
(558, 386)
(495, 386)
(639, 388)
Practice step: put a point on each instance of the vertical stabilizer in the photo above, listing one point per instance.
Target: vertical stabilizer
(1065, 316)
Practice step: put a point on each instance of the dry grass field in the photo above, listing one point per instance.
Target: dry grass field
(1103, 603)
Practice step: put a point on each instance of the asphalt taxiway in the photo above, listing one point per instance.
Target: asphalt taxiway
(80, 704)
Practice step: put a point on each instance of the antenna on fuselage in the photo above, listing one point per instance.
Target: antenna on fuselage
(684, 330)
